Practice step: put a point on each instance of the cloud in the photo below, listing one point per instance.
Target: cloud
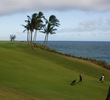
(90, 26)
(14, 6)
(96, 25)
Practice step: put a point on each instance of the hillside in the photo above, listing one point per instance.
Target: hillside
(27, 74)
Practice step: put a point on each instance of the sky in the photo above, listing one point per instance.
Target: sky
(80, 20)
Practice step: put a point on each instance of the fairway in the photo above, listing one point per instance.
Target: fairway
(27, 74)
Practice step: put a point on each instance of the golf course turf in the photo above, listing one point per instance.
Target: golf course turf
(27, 74)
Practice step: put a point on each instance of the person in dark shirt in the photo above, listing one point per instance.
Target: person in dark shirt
(80, 79)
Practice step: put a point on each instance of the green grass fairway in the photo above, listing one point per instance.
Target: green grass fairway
(27, 74)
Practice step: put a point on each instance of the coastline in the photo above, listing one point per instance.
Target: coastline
(97, 50)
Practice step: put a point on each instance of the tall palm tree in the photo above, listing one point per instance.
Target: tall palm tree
(34, 23)
(38, 23)
(26, 29)
(30, 26)
(50, 27)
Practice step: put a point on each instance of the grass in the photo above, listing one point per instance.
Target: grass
(27, 74)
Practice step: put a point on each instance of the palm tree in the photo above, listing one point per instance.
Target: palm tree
(38, 23)
(34, 23)
(50, 27)
(29, 27)
(26, 29)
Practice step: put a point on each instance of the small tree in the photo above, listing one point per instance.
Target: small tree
(12, 37)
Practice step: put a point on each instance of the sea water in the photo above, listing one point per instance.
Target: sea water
(95, 50)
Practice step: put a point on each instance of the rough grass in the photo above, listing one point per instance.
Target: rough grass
(27, 74)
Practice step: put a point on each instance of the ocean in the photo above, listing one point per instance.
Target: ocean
(95, 50)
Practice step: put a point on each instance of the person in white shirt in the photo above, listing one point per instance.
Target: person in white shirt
(102, 78)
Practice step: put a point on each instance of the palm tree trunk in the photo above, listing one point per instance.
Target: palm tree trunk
(35, 36)
(31, 37)
(32, 42)
(46, 40)
(27, 36)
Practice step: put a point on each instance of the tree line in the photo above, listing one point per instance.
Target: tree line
(38, 22)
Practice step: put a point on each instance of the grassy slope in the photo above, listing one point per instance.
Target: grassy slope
(40, 75)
